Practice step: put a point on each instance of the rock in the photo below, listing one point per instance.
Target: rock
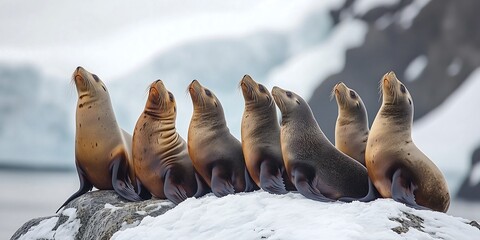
(470, 188)
(441, 39)
(94, 215)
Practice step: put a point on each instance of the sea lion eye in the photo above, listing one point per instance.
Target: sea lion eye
(402, 88)
(289, 94)
(95, 77)
(261, 88)
(171, 96)
(208, 92)
(352, 94)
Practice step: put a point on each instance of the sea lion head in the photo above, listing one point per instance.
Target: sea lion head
(88, 84)
(394, 92)
(160, 101)
(203, 99)
(255, 94)
(347, 99)
(290, 104)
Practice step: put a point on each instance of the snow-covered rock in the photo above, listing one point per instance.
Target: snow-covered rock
(257, 215)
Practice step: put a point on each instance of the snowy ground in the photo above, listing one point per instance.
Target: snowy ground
(261, 215)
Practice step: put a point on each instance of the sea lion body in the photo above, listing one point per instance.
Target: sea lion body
(318, 170)
(216, 154)
(261, 139)
(396, 166)
(162, 163)
(351, 129)
(102, 149)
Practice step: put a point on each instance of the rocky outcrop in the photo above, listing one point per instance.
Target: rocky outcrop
(100, 214)
(432, 53)
(94, 215)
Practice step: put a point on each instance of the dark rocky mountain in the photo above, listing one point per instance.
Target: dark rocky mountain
(470, 188)
(444, 37)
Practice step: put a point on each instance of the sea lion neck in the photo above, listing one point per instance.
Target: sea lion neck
(209, 119)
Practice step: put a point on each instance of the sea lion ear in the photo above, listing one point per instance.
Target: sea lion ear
(298, 102)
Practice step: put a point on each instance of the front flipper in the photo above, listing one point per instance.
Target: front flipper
(403, 193)
(142, 191)
(173, 191)
(85, 186)
(371, 195)
(250, 185)
(304, 186)
(221, 184)
(202, 187)
(120, 185)
(271, 178)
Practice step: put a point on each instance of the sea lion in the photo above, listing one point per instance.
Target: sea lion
(261, 138)
(351, 129)
(397, 168)
(102, 149)
(317, 169)
(216, 154)
(160, 154)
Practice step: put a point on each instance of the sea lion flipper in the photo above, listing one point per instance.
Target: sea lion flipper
(173, 191)
(371, 195)
(305, 188)
(142, 191)
(85, 186)
(202, 187)
(271, 182)
(250, 185)
(220, 185)
(403, 193)
(119, 183)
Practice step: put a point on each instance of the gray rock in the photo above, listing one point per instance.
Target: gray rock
(101, 214)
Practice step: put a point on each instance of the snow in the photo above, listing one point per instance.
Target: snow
(415, 68)
(319, 62)
(111, 207)
(361, 7)
(260, 215)
(410, 12)
(449, 133)
(454, 68)
(45, 229)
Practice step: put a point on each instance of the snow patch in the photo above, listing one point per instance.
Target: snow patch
(360, 7)
(410, 12)
(319, 62)
(111, 207)
(415, 68)
(260, 215)
(454, 68)
(475, 175)
(45, 229)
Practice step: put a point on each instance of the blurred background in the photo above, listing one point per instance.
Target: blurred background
(304, 46)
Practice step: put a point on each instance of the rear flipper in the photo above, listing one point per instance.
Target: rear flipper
(371, 195)
(402, 191)
(173, 191)
(120, 184)
(85, 186)
(250, 185)
(221, 184)
(271, 178)
(202, 187)
(304, 186)
(142, 191)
